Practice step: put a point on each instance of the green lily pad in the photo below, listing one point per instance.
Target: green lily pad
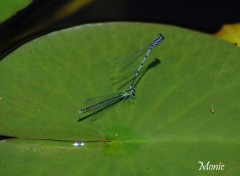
(185, 110)
(8, 8)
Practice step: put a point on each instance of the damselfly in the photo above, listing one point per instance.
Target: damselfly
(102, 105)
(152, 45)
(124, 62)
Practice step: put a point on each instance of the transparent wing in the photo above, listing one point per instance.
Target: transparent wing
(124, 62)
(96, 111)
(97, 114)
(123, 80)
(94, 100)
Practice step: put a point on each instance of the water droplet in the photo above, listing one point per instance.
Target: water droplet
(82, 143)
(76, 144)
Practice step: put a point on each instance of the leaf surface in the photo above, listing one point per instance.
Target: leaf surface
(185, 110)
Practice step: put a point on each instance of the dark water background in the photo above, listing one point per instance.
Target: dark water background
(205, 15)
